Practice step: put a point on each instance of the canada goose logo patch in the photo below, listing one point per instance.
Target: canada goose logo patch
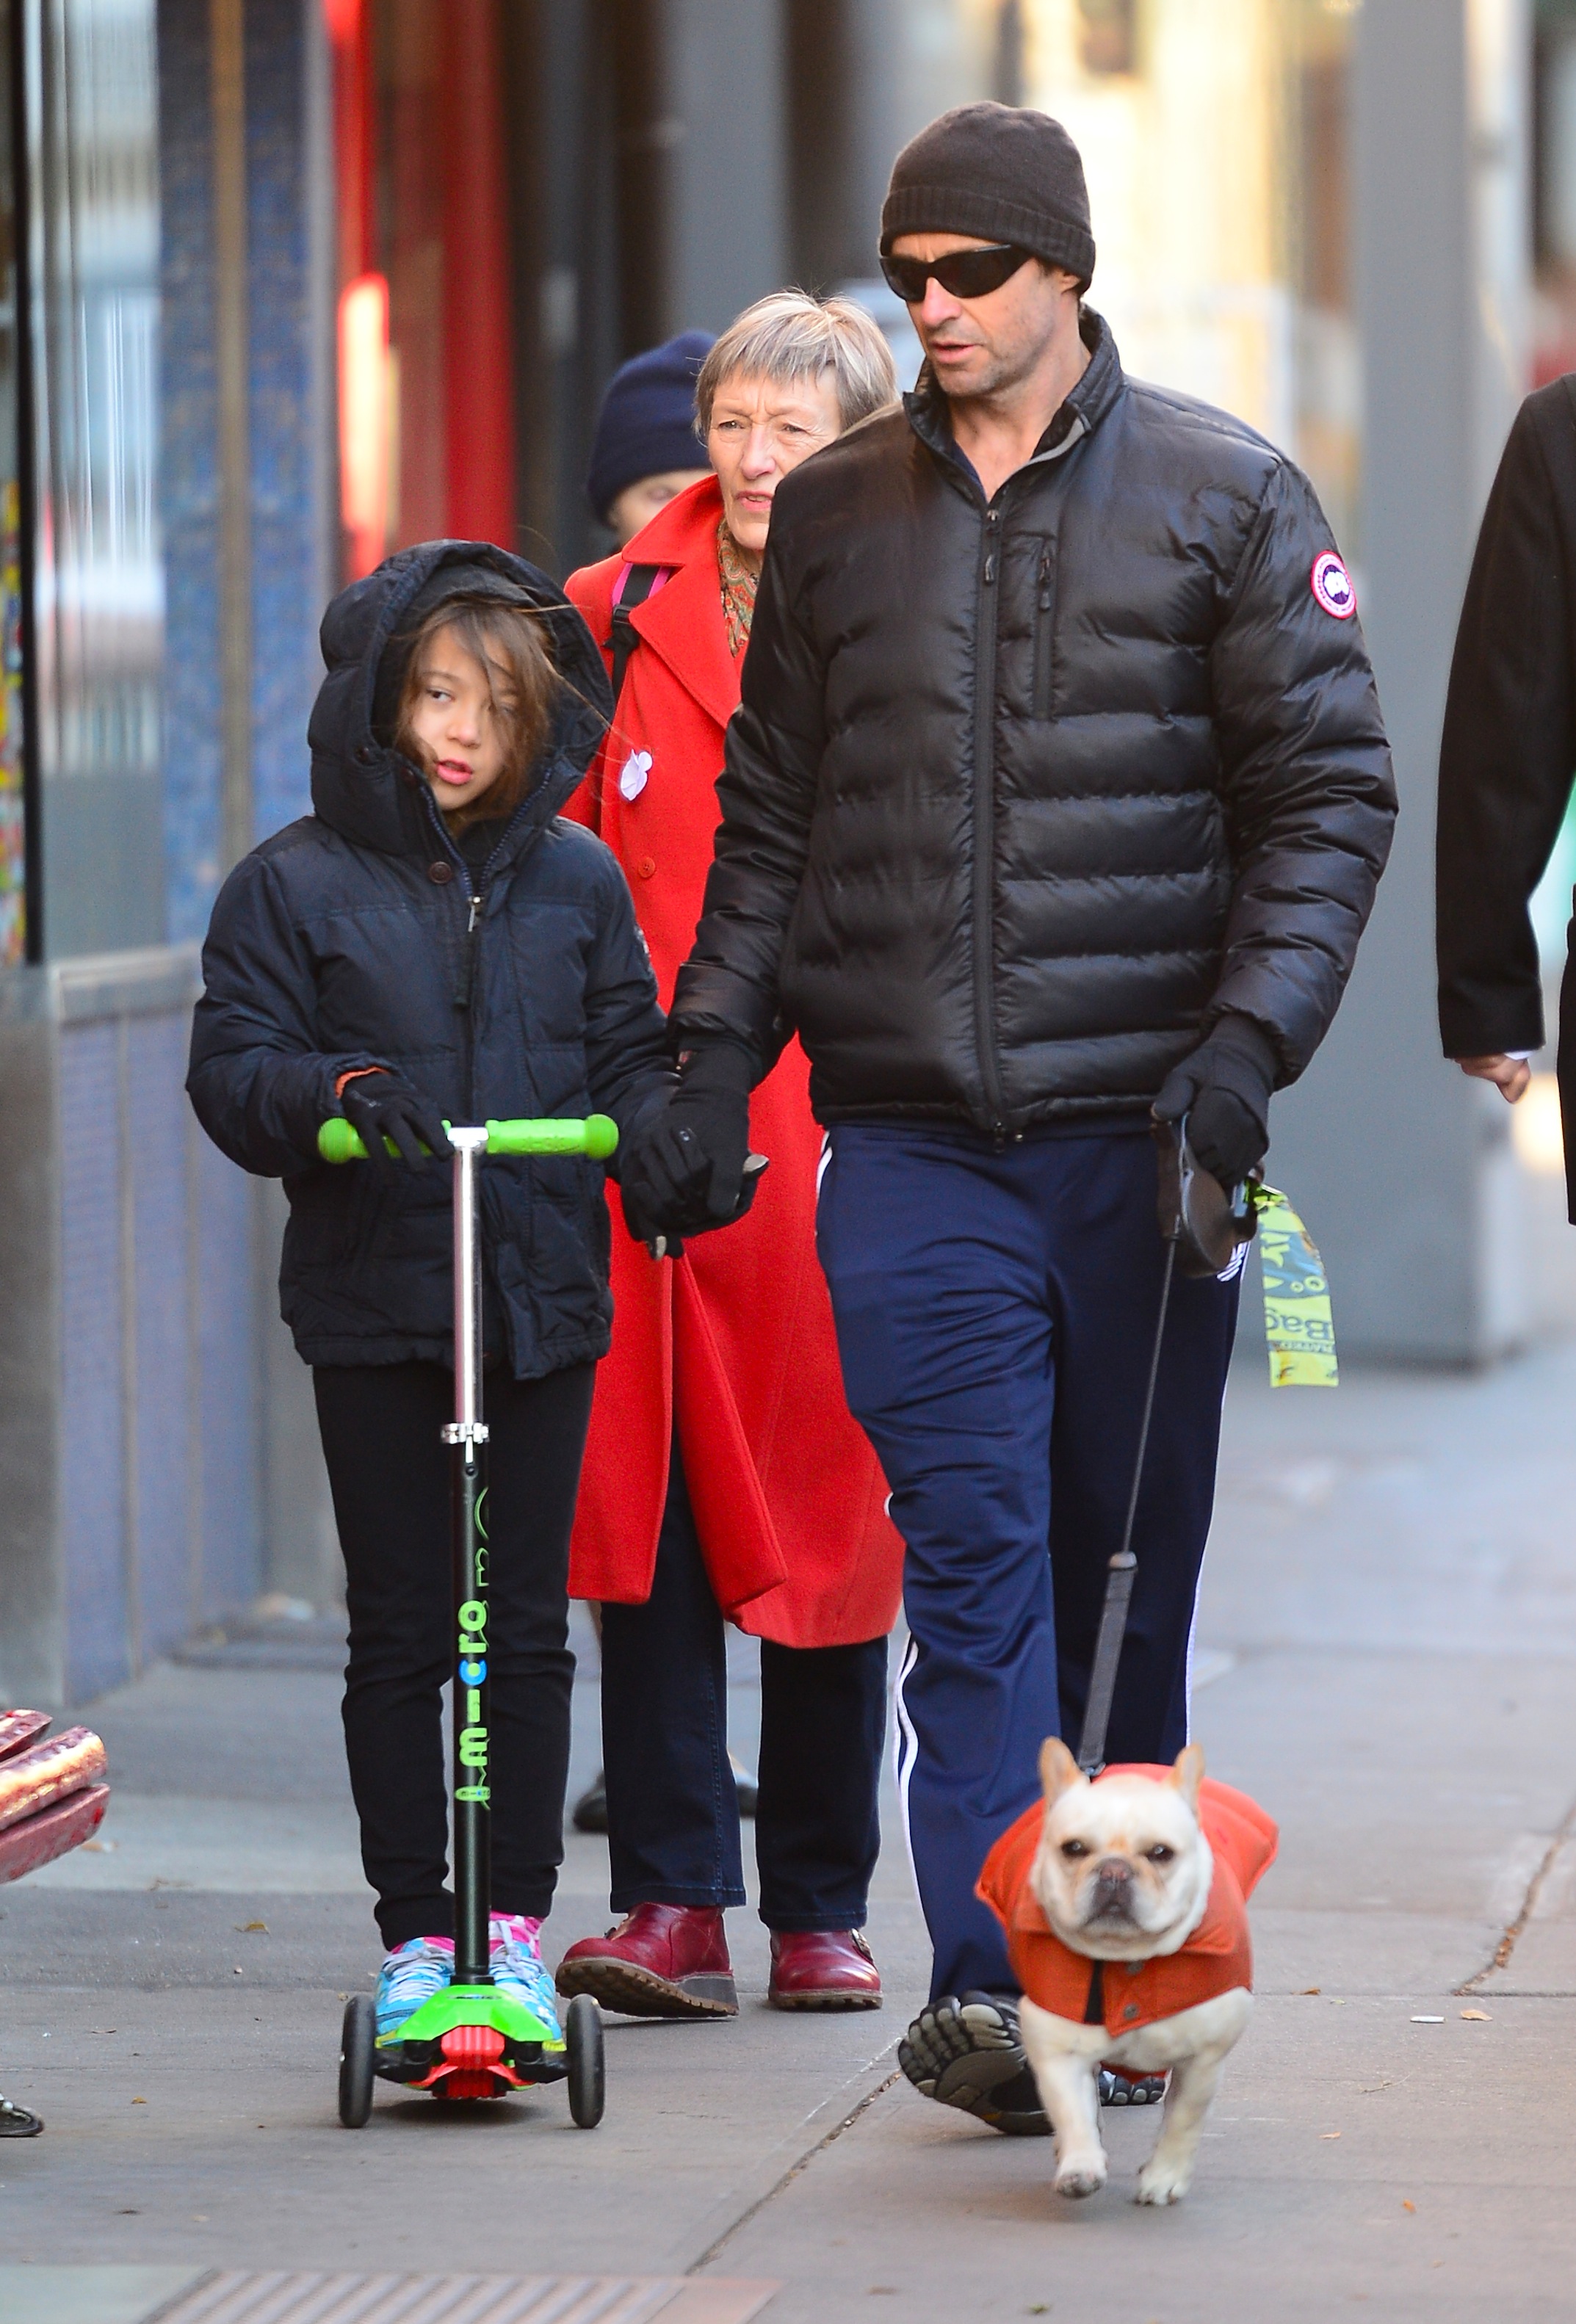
(1332, 586)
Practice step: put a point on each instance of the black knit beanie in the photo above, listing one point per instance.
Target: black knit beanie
(1000, 171)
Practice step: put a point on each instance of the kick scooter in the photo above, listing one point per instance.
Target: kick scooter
(470, 2040)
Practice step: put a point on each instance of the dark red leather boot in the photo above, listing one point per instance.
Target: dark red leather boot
(823, 1970)
(662, 1960)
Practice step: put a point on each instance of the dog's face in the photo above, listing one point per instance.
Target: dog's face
(1123, 1871)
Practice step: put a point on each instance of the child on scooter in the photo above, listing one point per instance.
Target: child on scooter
(433, 942)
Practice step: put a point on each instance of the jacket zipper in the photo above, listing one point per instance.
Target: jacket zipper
(1041, 706)
(478, 897)
(985, 827)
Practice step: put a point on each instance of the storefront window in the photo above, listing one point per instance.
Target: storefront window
(1216, 144)
(99, 600)
(13, 806)
(425, 342)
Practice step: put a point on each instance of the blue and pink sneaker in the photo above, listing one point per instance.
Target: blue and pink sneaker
(411, 1975)
(518, 1968)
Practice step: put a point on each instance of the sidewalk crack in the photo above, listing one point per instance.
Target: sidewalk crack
(793, 2171)
(1534, 1887)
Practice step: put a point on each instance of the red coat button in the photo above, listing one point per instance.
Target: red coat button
(440, 874)
(645, 866)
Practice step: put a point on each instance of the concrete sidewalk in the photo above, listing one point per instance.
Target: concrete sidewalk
(1390, 1616)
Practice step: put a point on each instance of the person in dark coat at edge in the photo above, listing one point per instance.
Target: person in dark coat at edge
(1507, 759)
(434, 942)
(1058, 796)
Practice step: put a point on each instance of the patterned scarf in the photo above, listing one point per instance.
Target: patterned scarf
(739, 584)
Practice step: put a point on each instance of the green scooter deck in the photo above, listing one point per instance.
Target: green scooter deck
(535, 2053)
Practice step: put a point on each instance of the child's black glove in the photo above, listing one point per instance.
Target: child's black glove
(683, 1169)
(1224, 1089)
(383, 1104)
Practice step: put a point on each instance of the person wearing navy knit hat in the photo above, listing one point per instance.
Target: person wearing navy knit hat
(645, 452)
(646, 448)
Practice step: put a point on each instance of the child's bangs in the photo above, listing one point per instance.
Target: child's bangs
(512, 646)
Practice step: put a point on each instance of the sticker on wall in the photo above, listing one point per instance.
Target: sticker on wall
(1332, 586)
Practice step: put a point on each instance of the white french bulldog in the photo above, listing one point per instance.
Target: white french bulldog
(1124, 1875)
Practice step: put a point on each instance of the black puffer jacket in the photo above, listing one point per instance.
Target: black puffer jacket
(1022, 796)
(343, 940)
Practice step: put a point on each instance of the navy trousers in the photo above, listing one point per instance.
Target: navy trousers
(996, 1313)
(672, 1808)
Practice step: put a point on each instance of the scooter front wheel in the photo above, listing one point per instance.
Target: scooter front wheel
(587, 2066)
(357, 2050)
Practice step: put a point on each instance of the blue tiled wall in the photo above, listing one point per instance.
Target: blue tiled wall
(287, 466)
(189, 470)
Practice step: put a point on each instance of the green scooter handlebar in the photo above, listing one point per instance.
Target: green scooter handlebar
(596, 1137)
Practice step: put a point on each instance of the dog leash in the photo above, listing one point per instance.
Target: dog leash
(1124, 1566)
(1210, 1228)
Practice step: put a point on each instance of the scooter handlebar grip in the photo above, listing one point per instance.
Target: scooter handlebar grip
(596, 1137)
(338, 1142)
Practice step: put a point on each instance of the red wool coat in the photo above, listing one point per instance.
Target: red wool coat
(736, 1337)
(1216, 1959)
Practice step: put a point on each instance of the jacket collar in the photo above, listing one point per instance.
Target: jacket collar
(683, 623)
(1081, 411)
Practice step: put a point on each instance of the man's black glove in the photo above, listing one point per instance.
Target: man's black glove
(385, 1104)
(1224, 1090)
(682, 1170)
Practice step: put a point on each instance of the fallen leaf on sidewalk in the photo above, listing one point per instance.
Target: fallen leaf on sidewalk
(1329, 2133)
(139, 2101)
(1481, 2015)
(1313, 1988)
(251, 1928)
(1405, 2205)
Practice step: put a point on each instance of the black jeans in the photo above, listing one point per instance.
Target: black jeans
(389, 1471)
(672, 1811)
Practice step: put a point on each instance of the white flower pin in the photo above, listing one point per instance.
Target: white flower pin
(631, 780)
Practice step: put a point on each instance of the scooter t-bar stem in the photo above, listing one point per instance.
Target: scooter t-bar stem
(597, 1137)
(466, 1436)
(1124, 1566)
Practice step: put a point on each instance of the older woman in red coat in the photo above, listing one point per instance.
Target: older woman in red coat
(725, 1479)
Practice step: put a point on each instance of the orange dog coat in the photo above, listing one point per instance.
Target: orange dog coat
(1124, 1996)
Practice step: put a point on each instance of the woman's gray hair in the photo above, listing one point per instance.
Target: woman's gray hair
(792, 336)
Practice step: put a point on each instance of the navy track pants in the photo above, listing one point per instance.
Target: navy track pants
(995, 1314)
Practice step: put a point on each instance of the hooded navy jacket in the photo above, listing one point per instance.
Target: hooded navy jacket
(359, 935)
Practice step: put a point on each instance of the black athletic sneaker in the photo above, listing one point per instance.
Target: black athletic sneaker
(1117, 2089)
(968, 2054)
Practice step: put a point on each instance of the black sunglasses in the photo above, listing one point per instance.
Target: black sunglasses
(962, 273)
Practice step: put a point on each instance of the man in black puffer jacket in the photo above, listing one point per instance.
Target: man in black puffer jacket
(1058, 793)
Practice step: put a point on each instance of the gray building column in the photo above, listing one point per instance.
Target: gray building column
(727, 162)
(1403, 1168)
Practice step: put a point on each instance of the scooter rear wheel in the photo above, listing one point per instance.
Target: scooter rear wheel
(356, 2056)
(587, 2066)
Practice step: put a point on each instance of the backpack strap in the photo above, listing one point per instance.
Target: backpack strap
(637, 584)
